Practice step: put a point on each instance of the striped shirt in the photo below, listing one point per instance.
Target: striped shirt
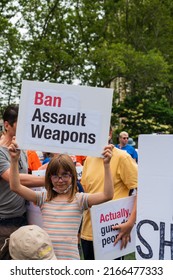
(61, 220)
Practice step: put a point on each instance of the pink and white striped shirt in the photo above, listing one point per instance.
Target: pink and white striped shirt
(61, 220)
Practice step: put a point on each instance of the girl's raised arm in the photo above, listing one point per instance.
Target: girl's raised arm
(14, 179)
(108, 192)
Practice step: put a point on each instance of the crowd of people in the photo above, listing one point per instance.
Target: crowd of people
(65, 203)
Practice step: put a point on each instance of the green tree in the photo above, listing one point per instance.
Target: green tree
(98, 42)
(10, 50)
(145, 114)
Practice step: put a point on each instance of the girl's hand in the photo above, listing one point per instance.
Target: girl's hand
(13, 150)
(107, 153)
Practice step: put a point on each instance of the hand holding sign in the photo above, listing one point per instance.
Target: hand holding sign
(107, 153)
(125, 228)
(124, 234)
(14, 150)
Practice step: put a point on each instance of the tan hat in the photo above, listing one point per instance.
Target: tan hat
(31, 243)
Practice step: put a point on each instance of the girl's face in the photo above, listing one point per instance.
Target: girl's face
(61, 181)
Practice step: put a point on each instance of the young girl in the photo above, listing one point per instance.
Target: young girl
(61, 205)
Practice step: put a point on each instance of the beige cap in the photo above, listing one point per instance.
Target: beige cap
(31, 243)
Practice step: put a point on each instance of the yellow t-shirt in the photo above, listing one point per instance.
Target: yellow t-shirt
(124, 174)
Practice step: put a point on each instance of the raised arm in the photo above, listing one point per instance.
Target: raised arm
(108, 192)
(14, 178)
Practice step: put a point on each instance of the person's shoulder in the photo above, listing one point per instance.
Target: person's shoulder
(90, 159)
(130, 148)
(121, 155)
(119, 152)
(133, 151)
(4, 150)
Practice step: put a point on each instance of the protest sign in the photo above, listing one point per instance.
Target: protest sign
(154, 225)
(64, 118)
(103, 217)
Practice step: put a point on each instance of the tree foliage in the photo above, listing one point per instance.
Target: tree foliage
(10, 53)
(98, 43)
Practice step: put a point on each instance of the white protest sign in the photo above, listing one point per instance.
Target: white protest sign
(103, 217)
(64, 118)
(154, 225)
